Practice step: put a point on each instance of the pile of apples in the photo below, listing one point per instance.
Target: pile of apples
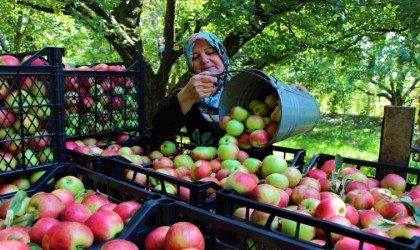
(256, 126)
(20, 182)
(96, 104)
(342, 195)
(68, 217)
(25, 118)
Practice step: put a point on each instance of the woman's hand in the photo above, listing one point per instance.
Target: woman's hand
(299, 87)
(197, 88)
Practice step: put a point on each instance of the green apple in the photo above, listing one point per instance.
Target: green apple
(203, 153)
(29, 123)
(277, 180)
(70, 182)
(239, 113)
(294, 176)
(235, 127)
(254, 122)
(253, 165)
(289, 227)
(167, 148)
(273, 164)
(183, 160)
(28, 158)
(45, 156)
(40, 108)
(34, 177)
(228, 152)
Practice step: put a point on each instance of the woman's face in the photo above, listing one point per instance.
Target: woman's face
(206, 58)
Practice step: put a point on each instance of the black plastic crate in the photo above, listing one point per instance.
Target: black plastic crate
(372, 169)
(228, 200)
(295, 157)
(99, 102)
(116, 191)
(198, 191)
(32, 113)
(219, 232)
(97, 161)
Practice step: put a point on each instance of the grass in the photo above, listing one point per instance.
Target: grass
(350, 136)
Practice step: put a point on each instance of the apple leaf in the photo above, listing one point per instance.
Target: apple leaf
(25, 220)
(205, 139)
(34, 246)
(17, 200)
(385, 226)
(10, 216)
(337, 171)
(409, 203)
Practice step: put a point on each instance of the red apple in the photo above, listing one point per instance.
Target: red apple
(119, 244)
(127, 209)
(259, 138)
(94, 201)
(360, 199)
(346, 243)
(155, 240)
(105, 225)
(316, 174)
(163, 162)
(40, 227)
(301, 192)
(183, 235)
(389, 208)
(15, 233)
(75, 212)
(394, 182)
(294, 176)
(13, 245)
(328, 166)
(68, 235)
(352, 214)
(330, 206)
(308, 181)
(242, 182)
(65, 195)
(44, 204)
(370, 217)
(201, 169)
(9, 60)
(266, 193)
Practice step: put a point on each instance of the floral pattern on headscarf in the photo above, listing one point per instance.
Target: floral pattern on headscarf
(215, 42)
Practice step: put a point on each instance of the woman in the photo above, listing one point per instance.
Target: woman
(196, 106)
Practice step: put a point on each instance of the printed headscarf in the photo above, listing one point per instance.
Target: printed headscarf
(215, 42)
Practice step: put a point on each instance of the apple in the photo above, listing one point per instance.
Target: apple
(119, 244)
(15, 233)
(316, 174)
(127, 209)
(239, 113)
(356, 185)
(259, 138)
(14, 244)
(235, 127)
(75, 212)
(41, 226)
(35, 176)
(201, 169)
(404, 230)
(336, 218)
(290, 227)
(370, 217)
(309, 181)
(357, 176)
(44, 204)
(163, 162)
(7, 117)
(389, 208)
(228, 152)
(137, 150)
(254, 122)
(253, 165)
(65, 195)
(70, 182)
(40, 141)
(108, 206)
(105, 225)
(223, 122)
(302, 192)
(394, 182)
(8, 188)
(243, 213)
(68, 235)
(27, 158)
(94, 201)
(275, 115)
(273, 164)
(330, 206)
(309, 205)
(294, 176)
(380, 193)
(346, 243)
(277, 180)
(183, 235)
(260, 109)
(284, 198)
(352, 214)
(261, 218)
(272, 100)
(329, 166)
(9, 60)
(207, 153)
(28, 122)
(167, 148)
(360, 199)
(215, 165)
(22, 182)
(265, 193)
(226, 139)
(183, 160)
(272, 127)
(377, 232)
(243, 140)
(242, 182)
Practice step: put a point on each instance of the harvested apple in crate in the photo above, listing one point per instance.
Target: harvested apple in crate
(73, 206)
(29, 132)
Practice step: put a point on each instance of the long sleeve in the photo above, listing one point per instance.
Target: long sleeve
(169, 119)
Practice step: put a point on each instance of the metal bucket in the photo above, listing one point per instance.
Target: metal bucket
(300, 110)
